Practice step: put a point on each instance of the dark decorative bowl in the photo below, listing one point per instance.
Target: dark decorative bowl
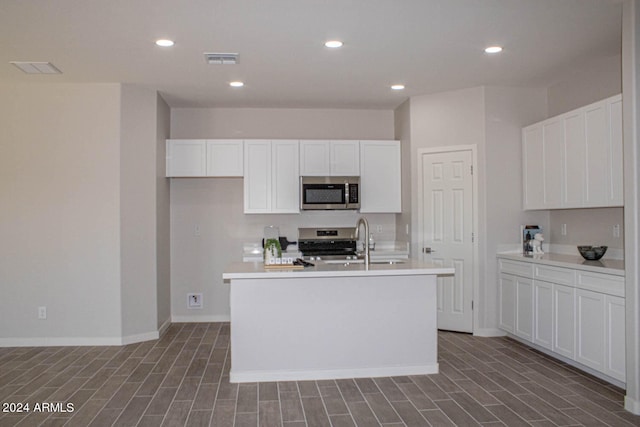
(592, 253)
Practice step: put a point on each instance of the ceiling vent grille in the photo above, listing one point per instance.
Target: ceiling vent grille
(37, 67)
(221, 58)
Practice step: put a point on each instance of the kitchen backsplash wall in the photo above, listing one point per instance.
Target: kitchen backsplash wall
(588, 227)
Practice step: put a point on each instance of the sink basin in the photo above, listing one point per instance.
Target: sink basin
(361, 261)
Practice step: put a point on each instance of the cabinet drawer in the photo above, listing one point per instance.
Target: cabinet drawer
(524, 269)
(563, 276)
(603, 283)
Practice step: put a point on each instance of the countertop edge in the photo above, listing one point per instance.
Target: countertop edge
(566, 261)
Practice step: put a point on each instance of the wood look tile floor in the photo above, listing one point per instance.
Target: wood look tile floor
(182, 379)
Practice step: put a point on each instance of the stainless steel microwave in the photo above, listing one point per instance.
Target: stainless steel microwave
(329, 192)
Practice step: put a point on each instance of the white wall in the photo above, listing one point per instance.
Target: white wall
(138, 211)
(216, 204)
(631, 120)
(598, 79)
(491, 119)
(60, 214)
(283, 123)
(163, 221)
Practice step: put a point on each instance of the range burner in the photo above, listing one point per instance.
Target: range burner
(327, 243)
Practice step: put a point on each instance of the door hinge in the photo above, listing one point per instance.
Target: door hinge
(472, 305)
(473, 237)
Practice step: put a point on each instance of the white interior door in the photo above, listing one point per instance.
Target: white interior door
(447, 232)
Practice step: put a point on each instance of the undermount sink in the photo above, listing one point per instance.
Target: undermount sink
(361, 261)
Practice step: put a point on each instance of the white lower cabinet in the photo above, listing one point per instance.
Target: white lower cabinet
(507, 293)
(564, 321)
(543, 314)
(577, 314)
(524, 308)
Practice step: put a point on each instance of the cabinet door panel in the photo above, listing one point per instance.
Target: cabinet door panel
(590, 343)
(616, 346)
(285, 182)
(507, 294)
(224, 158)
(315, 158)
(186, 158)
(543, 313)
(380, 177)
(574, 160)
(257, 179)
(524, 308)
(597, 135)
(345, 158)
(616, 193)
(564, 320)
(553, 148)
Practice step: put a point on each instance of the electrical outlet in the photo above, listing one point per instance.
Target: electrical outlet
(194, 301)
(42, 312)
(563, 229)
(616, 230)
(196, 230)
(379, 229)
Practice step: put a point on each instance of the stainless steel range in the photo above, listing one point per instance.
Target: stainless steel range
(327, 243)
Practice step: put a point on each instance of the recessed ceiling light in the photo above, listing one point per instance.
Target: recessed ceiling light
(493, 49)
(397, 87)
(165, 43)
(333, 44)
(236, 84)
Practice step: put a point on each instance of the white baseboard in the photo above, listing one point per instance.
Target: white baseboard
(632, 405)
(199, 319)
(165, 325)
(282, 375)
(60, 341)
(79, 341)
(132, 339)
(489, 332)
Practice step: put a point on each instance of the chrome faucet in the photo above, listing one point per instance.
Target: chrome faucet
(367, 254)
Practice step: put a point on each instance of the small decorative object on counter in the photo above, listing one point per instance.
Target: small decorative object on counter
(528, 233)
(372, 243)
(592, 253)
(536, 243)
(272, 251)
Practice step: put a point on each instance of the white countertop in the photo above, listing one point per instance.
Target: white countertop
(409, 267)
(606, 266)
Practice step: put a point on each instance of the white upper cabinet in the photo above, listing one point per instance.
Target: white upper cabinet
(345, 158)
(186, 157)
(271, 180)
(575, 160)
(329, 158)
(380, 177)
(204, 158)
(224, 157)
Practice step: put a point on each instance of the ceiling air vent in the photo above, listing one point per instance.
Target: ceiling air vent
(221, 58)
(37, 67)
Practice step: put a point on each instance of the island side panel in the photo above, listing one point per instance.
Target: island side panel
(339, 327)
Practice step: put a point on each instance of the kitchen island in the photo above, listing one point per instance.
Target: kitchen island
(333, 320)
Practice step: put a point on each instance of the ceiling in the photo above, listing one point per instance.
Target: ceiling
(428, 45)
